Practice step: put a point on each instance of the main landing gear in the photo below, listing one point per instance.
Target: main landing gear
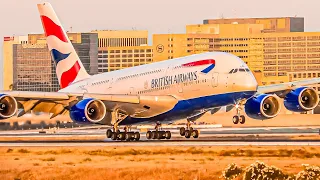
(189, 131)
(158, 133)
(126, 134)
(238, 118)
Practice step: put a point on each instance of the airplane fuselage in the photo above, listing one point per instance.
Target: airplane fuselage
(199, 82)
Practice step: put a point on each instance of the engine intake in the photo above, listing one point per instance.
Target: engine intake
(262, 107)
(88, 111)
(301, 99)
(8, 106)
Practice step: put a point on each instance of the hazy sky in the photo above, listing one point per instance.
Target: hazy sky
(20, 17)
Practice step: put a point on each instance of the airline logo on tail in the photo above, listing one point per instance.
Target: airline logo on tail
(210, 62)
(68, 67)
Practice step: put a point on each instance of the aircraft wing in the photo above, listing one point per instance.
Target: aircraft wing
(60, 102)
(283, 88)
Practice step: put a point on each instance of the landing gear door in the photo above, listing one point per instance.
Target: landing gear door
(109, 87)
(214, 79)
(132, 91)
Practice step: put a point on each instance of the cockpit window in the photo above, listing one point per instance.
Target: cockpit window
(231, 71)
(242, 70)
(236, 70)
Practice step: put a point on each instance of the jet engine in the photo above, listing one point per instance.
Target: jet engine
(301, 99)
(264, 106)
(8, 106)
(90, 111)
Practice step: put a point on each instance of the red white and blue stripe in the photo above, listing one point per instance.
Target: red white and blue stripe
(211, 63)
(68, 66)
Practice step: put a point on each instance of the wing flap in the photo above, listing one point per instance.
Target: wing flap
(51, 102)
(37, 95)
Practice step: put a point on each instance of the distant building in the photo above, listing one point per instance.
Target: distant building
(271, 25)
(7, 67)
(30, 68)
(120, 49)
(279, 54)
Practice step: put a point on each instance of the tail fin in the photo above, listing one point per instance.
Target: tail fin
(69, 68)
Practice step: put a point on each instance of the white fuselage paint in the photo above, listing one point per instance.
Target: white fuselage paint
(162, 78)
(138, 80)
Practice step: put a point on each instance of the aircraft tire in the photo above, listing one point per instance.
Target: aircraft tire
(128, 136)
(182, 131)
(109, 133)
(154, 135)
(188, 134)
(122, 136)
(195, 133)
(168, 135)
(136, 136)
(149, 135)
(235, 119)
(242, 119)
(114, 136)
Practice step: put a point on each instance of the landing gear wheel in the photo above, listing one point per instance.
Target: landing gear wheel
(195, 133)
(114, 136)
(162, 135)
(128, 136)
(136, 136)
(242, 119)
(122, 136)
(235, 119)
(187, 134)
(149, 135)
(182, 131)
(109, 133)
(154, 135)
(168, 135)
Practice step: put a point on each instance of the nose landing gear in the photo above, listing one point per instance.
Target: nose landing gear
(238, 118)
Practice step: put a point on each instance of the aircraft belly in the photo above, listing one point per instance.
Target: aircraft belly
(185, 108)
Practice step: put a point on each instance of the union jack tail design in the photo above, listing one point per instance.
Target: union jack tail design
(69, 68)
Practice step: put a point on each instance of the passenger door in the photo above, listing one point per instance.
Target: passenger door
(214, 79)
(131, 91)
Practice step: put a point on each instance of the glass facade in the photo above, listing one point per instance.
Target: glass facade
(118, 58)
(33, 69)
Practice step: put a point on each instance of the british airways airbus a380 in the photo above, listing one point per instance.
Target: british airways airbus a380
(162, 92)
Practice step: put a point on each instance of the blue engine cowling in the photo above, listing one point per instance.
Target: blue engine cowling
(264, 106)
(88, 111)
(8, 106)
(301, 99)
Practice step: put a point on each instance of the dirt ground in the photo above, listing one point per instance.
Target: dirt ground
(144, 162)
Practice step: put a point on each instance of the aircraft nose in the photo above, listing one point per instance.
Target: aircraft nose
(251, 83)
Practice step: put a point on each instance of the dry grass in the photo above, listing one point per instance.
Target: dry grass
(145, 162)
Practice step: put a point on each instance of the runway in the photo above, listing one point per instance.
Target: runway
(219, 136)
(100, 131)
(157, 143)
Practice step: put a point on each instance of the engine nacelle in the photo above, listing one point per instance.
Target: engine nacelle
(264, 106)
(8, 106)
(89, 111)
(301, 99)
